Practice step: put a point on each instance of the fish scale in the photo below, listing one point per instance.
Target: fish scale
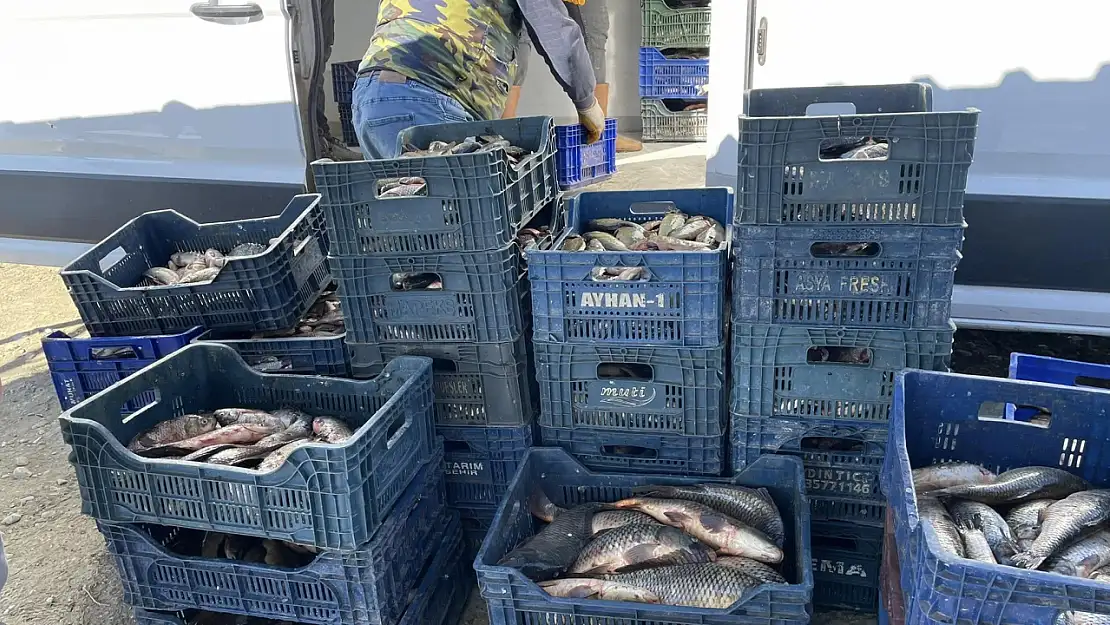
(636, 544)
(748, 506)
(1019, 485)
(934, 512)
(555, 547)
(705, 585)
(1063, 521)
(1083, 557)
(994, 528)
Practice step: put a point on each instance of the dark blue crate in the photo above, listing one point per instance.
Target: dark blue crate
(663, 77)
(343, 76)
(943, 417)
(476, 521)
(480, 461)
(161, 568)
(329, 496)
(1059, 371)
(644, 390)
(846, 561)
(665, 26)
(512, 598)
(474, 201)
(81, 368)
(268, 291)
(634, 452)
(579, 164)
(320, 355)
(796, 372)
(483, 298)
(682, 303)
(347, 124)
(793, 274)
(475, 384)
(842, 459)
(783, 179)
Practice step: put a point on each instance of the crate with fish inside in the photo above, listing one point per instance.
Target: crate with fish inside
(636, 268)
(674, 72)
(460, 187)
(893, 161)
(306, 459)
(313, 345)
(163, 273)
(648, 548)
(846, 561)
(176, 569)
(1000, 513)
(675, 119)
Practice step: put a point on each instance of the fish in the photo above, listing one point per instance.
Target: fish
(200, 275)
(1101, 574)
(950, 474)
(403, 190)
(701, 585)
(671, 222)
(725, 534)
(994, 528)
(628, 274)
(679, 245)
(247, 249)
(867, 152)
(753, 507)
(610, 225)
(1062, 522)
(293, 417)
(754, 568)
(212, 545)
(239, 433)
(162, 275)
(1025, 521)
(573, 243)
(184, 259)
(1073, 617)
(279, 456)
(553, 549)
(205, 452)
(975, 542)
(1083, 557)
(714, 234)
(607, 241)
(630, 545)
(932, 511)
(1018, 485)
(270, 364)
(231, 416)
(175, 429)
(593, 245)
(612, 519)
(630, 235)
(587, 588)
(235, 455)
(331, 430)
(691, 229)
(214, 257)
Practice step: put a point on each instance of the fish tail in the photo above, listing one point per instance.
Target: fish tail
(1028, 560)
(541, 506)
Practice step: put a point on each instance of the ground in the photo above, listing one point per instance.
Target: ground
(60, 573)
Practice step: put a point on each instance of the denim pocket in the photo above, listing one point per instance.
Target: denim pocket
(374, 122)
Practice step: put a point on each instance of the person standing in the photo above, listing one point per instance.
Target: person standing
(592, 16)
(436, 61)
(327, 146)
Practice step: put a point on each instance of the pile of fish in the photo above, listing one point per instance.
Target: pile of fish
(697, 546)
(534, 239)
(256, 550)
(324, 318)
(854, 149)
(676, 231)
(244, 437)
(470, 145)
(191, 267)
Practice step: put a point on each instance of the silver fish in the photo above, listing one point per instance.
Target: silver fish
(1062, 522)
(607, 241)
(1025, 521)
(403, 190)
(975, 543)
(703, 585)
(713, 235)
(633, 545)
(231, 416)
(1018, 485)
(1081, 618)
(331, 430)
(588, 588)
(1083, 557)
(671, 222)
(867, 152)
(609, 225)
(933, 512)
(205, 452)
(611, 519)
(691, 229)
(184, 259)
(754, 568)
(950, 474)
(593, 245)
(214, 257)
(992, 525)
(554, 548)
(162, 276)
(753, 507)
(573, 243)
(202, 275)
(725, 534)
(630, 235)
(1101, 575)
(678, 245)
(247, 249)
(239, 433)
(173, 430)
(280, 455)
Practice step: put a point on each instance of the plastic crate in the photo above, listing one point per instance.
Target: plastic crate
(783, 179)
(82, 367)
(846, 559)
(475, 384)
(329, 496)
(474, 201)
(794, 274)
(347, 125)
(662, 124)
(481, 299)
(321, 355)
(842, 459)
(1059, 371)
(942, 417)
(666, 27)
(161, 568)
(480, 461)
(681, 303)
(579, 164)
(796, 372)
(269, 291)
(343, 76)
(512, 598)
(633, 452)
(476, 521)
(663, 77)
(892, 609)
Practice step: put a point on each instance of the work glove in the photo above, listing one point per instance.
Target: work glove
(593, 120)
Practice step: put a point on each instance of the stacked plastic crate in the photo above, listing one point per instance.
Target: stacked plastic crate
(438, 272)
(674, 70)
(631, 372)
(343, 77)
(848, 231)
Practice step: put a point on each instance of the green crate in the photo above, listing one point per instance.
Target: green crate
(663, 124)
(665, 27)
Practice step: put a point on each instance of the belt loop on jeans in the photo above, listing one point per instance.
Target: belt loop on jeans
(384, 75)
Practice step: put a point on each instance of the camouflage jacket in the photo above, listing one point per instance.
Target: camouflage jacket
(466, 49)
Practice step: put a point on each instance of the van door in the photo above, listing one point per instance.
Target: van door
(115, 108)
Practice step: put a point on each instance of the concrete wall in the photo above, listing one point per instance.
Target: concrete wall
(354, 22)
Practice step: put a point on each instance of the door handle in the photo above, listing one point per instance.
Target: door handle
(231, 14)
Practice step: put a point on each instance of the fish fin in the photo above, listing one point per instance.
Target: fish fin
(541, 507)
(671, 559)
(676, 517)
(714, 522)
(641, 552)
(598, 572)
(1028, 561)
(581, 591)
(1042, 515)
(764, 493)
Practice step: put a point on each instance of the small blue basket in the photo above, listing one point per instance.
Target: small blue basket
(578, 164)
(662, 77)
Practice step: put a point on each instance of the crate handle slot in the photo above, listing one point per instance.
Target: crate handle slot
(134, 400)
(833, 444)
(845, 249)
(630, 451)
(854, 149)
(394, 188)
(652, 208)
(1092, 382)
(117, 352)
(637, 372)
(112, 258)
(397, 429)
(416, 281)
(839, 355)
(457, 447)
(444, 365)
(298, 248)
(1026, 414)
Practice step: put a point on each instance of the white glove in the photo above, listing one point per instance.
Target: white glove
(593, 118)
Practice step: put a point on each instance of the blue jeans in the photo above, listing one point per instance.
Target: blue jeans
(381, 110)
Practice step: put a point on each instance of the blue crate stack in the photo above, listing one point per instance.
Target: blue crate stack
(674, 71)
(343, 77)
(843, 274)
(441, 274)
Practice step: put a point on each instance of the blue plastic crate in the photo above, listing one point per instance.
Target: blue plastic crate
(846, 561)
(842, 459)
(664, 77)
(1059, 371)
(161, 568)
(482, 297)
(782, 177)
(473, 202)
(937, 417)
(475, 384)
(268, 291)
(828, 373)
(513, 598)
(668, 120)
(863, 276)
(347, 125)
(343, 76)
(480, 461)
(579, 164)
(635, 452)
(681, 303)
(476, 521)
(329, 496)
(320, 355)
(667, 26)
(81, 368)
